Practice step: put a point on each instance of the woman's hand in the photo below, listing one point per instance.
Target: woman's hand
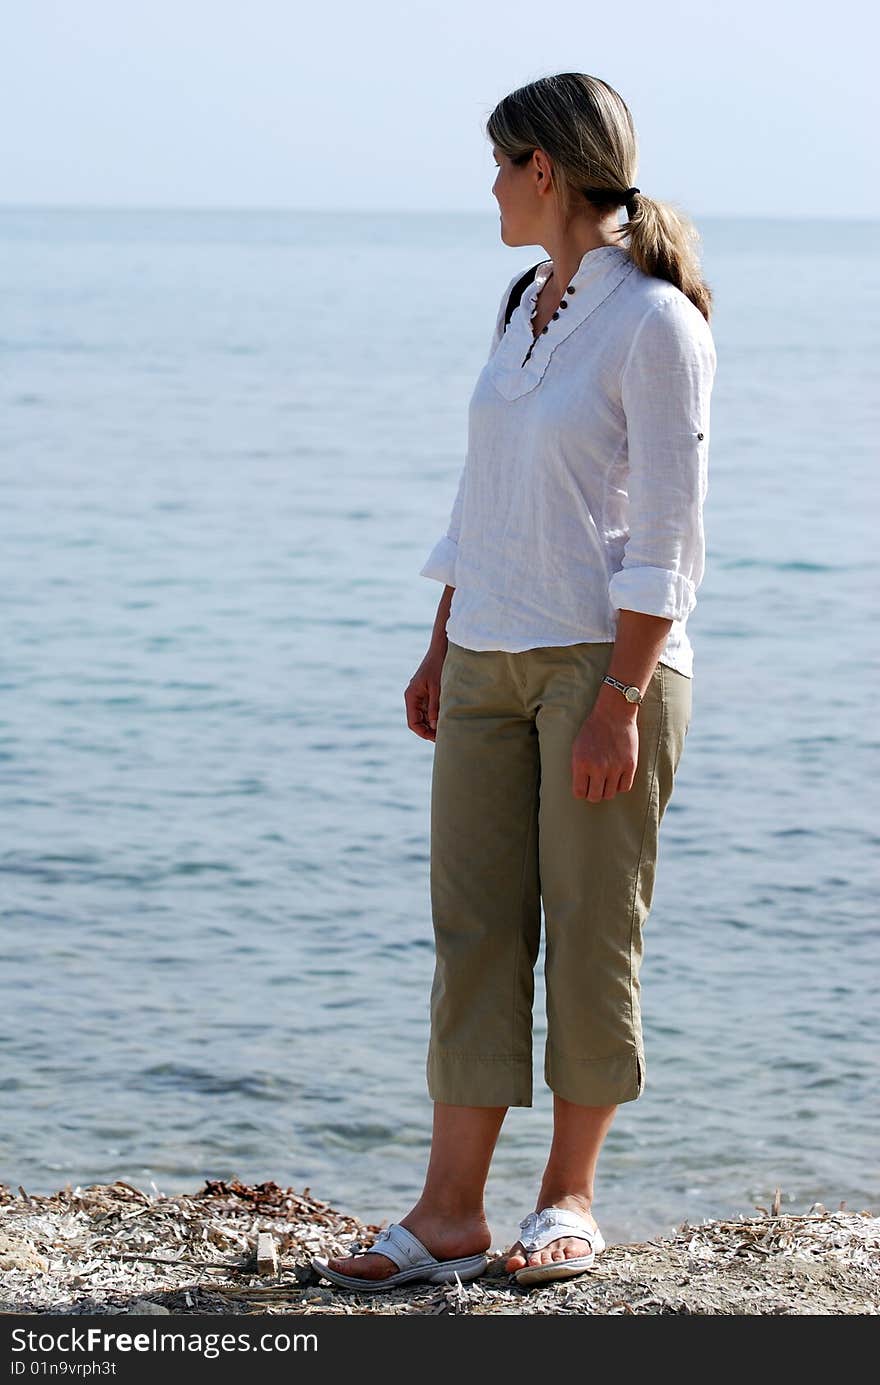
(605, 752)
(422, 697)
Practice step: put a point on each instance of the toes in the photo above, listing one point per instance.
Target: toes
(557, 1250)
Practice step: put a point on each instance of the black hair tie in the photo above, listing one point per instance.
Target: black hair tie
(601, 195)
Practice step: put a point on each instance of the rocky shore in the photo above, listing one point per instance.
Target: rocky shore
(235, 1248)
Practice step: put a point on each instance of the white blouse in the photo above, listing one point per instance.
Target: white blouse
(586, 470)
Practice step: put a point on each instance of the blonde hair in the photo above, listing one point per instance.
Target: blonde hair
(586, 129)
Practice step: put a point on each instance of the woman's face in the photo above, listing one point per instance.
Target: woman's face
(514, 190)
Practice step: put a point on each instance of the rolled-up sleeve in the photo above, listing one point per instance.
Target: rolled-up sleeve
(666, 386)
(441, 560)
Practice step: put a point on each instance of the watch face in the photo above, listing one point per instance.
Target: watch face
(632, 695)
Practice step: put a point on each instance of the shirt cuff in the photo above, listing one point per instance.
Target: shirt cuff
(654, 590)
(441, 561)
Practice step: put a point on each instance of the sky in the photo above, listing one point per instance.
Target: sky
(741, 109)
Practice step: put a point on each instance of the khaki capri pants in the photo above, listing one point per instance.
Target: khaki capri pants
(508, 834)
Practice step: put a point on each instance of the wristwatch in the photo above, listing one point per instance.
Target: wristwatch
(629, 690)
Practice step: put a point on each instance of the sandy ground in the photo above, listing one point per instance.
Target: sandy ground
(113, 1248)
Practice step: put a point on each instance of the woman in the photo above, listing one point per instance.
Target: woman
(557, 685)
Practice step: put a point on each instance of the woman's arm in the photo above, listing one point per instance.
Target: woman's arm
(666, 384)
(439, 643)
(605, 752)
(640, 641)
(422, 695)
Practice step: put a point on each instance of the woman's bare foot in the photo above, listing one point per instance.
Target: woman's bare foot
(565, 1248)
(446, 1238)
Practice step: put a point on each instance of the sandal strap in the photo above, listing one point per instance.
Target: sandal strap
(540, 1228)
(401, 1246)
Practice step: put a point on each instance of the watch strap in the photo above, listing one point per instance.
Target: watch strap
(623, 687)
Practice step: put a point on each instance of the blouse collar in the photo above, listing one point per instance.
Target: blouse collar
(598, 274)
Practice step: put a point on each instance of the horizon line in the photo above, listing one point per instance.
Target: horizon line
(383, 211)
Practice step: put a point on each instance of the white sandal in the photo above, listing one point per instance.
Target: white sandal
(414, 1260)
(540, 1228)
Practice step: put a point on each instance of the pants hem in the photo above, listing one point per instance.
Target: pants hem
(595, 1081)
(473, 1079)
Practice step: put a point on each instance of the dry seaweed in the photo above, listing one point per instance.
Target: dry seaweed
(113, 1248)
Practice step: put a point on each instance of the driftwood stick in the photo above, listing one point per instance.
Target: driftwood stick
(267, 1253)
